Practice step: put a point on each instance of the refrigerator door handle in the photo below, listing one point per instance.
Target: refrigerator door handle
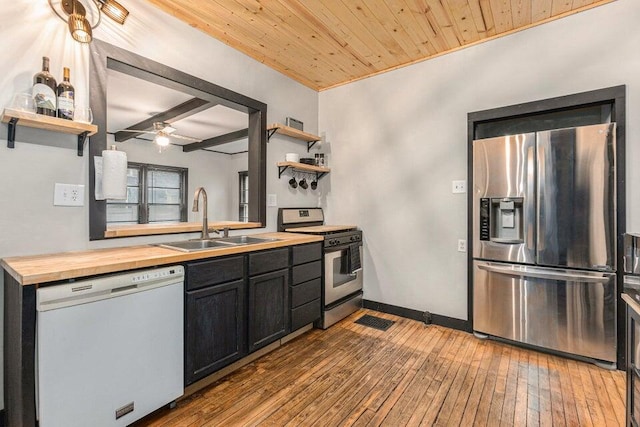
(544, 275)
(505, 241)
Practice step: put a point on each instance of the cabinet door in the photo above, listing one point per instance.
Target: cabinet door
(268, 308)
(214, 329)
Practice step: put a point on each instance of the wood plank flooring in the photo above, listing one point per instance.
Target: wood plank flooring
(411, 374)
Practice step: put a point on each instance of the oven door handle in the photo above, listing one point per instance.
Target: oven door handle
(337, 248)
(354, 273)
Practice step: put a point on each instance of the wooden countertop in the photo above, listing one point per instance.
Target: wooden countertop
(169, 228)
(321, 228)
(30, 270)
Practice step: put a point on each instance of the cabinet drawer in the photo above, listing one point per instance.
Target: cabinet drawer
(306, 272)
(263, 262)
(305, 314)
(305, 292)
(214, 271)
(306, 253)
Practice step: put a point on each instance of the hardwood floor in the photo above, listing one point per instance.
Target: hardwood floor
(411, 374)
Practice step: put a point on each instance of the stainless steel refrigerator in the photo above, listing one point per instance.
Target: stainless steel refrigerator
(544, 243)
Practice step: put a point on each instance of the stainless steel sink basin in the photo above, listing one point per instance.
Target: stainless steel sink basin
(246, 240)
(226, 242)
(197, 245)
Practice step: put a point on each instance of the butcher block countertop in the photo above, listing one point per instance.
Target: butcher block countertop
(322, 228)
(182, 227)
(35, 269)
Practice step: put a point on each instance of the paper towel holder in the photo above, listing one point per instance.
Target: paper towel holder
(115, 175)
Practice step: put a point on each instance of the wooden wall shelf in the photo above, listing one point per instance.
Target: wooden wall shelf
(309, 138)
(318, 170)
(38, 121)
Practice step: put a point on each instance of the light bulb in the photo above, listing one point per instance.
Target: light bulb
(161, 139)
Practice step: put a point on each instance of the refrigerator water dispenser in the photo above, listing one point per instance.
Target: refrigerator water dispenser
(501, 220)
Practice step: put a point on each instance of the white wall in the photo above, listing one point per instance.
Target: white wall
(29, 223)
(399, 139)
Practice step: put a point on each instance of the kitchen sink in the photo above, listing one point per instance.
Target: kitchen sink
(225, 242)
(197, 245)
(246, 240)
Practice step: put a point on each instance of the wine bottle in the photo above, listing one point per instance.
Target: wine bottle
(44, 87)
(66, 97)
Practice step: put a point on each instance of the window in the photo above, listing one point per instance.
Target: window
(243, 215)
(154, 194)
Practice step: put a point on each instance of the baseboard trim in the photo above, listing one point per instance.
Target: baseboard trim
(421, 316)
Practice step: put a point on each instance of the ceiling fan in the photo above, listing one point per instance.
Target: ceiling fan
(163, 132)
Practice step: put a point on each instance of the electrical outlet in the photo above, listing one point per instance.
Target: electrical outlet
(459, 186)
(462, 245)
(272, 200)
(68, 195)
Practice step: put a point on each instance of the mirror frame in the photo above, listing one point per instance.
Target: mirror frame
(105, 56)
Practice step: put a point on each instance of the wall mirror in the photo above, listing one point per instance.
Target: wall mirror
(179, 132)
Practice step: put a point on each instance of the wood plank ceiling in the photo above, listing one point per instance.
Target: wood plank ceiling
(326, 43)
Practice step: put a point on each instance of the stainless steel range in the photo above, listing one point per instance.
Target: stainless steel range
(342, 287)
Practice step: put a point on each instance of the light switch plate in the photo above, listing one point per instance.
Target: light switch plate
(462, 245)
(272, 200)
(459, 186)
(68, 195)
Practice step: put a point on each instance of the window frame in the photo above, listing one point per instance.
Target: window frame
(143, 189)
(243, 188)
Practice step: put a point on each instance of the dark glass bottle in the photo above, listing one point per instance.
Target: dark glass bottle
(66, 97)
(44, 90)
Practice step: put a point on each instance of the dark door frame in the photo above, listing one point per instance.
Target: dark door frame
(615, 97)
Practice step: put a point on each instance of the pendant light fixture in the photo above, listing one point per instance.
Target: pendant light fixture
(114, 10)
(74, 13)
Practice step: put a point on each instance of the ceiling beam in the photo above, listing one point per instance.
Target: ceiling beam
(216, 140)
(186, 109)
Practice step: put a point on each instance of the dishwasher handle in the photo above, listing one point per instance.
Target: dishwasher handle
(539, 274)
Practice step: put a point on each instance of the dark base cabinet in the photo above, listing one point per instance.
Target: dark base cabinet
(237, 304)
(268, 308)
(215, 316)
(306, 285)
(214, 330)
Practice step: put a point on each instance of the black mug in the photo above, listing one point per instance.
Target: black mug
(314, 184)
(303, 184)
(293, 183)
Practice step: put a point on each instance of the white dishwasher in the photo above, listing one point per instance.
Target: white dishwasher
(109, 350)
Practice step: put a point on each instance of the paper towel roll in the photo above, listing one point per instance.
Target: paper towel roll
(114, 174)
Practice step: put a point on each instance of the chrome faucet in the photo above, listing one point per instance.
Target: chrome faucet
(205, 222)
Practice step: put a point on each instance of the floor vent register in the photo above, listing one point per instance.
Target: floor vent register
(375, 322)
